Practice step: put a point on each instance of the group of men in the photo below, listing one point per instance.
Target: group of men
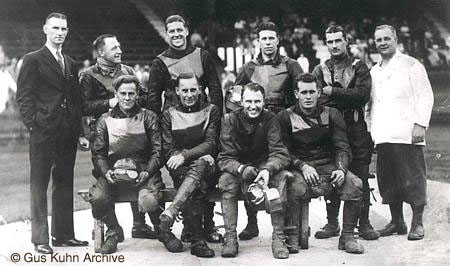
(302, 135)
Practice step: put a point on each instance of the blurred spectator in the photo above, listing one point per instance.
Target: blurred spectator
(304, 63)
(145, 75)
(8, 86)
(197, 40)
(86, 64)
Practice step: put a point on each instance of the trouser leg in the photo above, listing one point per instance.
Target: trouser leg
(41, 160)
(62, 192)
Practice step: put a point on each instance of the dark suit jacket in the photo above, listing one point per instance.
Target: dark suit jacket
(47, 97)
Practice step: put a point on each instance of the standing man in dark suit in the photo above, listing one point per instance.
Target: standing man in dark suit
(50, 103)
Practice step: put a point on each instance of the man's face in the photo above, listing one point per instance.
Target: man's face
(336, 43)
(56, 30)
(385, 41)
(253, 103)
(307, 95)
(268, 40)
(127, 95)
(189, 91)
(111, 51)
(177, 33)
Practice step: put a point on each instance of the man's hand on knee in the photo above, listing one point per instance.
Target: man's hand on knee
(175, 161)
(109, 176)
(337, 178)
(310, 174)
(142, 178)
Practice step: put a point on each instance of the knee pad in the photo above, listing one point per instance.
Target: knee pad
(148, 200)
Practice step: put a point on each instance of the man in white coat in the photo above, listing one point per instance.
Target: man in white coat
(398, 115)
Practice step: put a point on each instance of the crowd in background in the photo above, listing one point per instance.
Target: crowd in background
(420, 39)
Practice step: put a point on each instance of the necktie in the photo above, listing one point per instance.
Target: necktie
(60, 60)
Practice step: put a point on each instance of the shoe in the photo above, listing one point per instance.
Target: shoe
(349, 243)
(69, 243)
(43, 249)
(279, 248)
(110, 245)
(213, 237)
(201, 249)
(417, 232)
(329, 230)
(392, 228)
(367, 232)
(170, 241)
(230, 248)
(143, 231)
(250, 231)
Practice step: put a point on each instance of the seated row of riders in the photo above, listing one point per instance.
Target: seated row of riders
(302, 135)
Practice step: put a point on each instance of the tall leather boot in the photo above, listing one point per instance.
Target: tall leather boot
(210, 232)
(251, 230)
(397, 223)
(114, 234)
(347, 240)
(169, 240)
(230, 214)
(365, 229)
(417, 231)
(186, 233)
(199, 247)
(190, 184)
(332, 227)
(114, 228)
(279, 248)
(292, 218)
(140, 228)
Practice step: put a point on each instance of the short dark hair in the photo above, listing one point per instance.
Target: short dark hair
(186, 75)
(175, 18)
(55, 15)
(253, 86)
(99, 42)
(336, 28)
(306, 78)
(267, 26)
(125, 79)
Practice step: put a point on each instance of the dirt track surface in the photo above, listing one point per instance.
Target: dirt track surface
(393, 250)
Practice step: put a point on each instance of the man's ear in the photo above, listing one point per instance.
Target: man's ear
(296, 93)
(44, 28)
(177, 91)
(100, 52)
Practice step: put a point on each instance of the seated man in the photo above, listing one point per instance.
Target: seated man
(127, 152)
(317, 141)
(251, 151)
(190, 132)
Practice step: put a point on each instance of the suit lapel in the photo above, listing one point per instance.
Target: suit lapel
(51, 60)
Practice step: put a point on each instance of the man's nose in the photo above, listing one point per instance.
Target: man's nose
(119, 51)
